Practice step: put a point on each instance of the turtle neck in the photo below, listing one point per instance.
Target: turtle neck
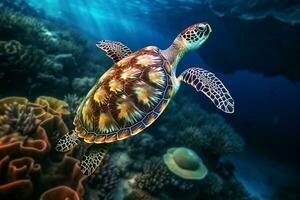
(174, 53)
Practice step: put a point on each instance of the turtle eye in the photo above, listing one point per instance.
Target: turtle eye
(201, 28)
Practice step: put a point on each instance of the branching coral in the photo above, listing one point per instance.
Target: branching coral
(73, 102)
(214, 136)
(82, 85)
(104, 180)
(27, 164)
(20, 119)
(154, 178)
(16, 25)
(217, 139)
(45, 56)
(26, 61)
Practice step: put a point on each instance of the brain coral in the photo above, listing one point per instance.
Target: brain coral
(28, 165)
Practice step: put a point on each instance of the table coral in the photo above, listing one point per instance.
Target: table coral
(28, 163)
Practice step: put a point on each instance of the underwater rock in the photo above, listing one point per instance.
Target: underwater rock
(104, 181)
(28, 163)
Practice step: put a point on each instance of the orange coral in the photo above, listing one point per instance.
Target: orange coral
(61, 192)
(29, 164)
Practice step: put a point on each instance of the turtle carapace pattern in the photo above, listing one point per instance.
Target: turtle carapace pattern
(127, 98)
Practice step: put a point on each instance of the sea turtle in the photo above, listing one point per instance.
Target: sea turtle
(132, 94)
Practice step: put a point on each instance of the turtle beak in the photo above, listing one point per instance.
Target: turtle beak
(208, 29)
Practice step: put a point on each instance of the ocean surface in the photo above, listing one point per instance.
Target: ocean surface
(47, 48)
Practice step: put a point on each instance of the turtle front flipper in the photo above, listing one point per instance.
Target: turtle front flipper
(206, 82)
(115, 50)
(93, 157)
(67, 142)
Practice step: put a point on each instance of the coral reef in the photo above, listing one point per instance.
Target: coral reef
(16, 25)
(214, 137)
(204, 133)
(19, 119)
(82, 85)
(47, 55)
(73, 102)
(212, 184)
(26, 61)
(210, 136)
(104, 181)
(27, 161)
(154, 178)
(140, 195)
(60, 192)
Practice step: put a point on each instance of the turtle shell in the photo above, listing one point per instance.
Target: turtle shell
(126, 99)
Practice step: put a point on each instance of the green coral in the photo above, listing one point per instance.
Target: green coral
(32, 31)
(41, 70)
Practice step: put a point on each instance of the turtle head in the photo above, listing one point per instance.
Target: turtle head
(188, 40)
(194, 36)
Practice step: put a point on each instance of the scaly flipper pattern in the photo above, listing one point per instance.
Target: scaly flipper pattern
(93, 157)
(115, 50)
(67, 142)
(206, 82)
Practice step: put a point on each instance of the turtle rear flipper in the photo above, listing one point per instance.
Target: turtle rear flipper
(93, 157)
(67, 142)
(206, 82)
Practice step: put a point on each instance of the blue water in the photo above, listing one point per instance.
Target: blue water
(253, 48)
(266, 102)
